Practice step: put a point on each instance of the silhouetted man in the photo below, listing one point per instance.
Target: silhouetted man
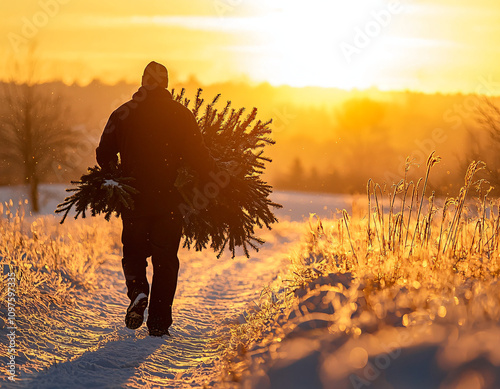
(154, 135)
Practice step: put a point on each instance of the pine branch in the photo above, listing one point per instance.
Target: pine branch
(105, 192)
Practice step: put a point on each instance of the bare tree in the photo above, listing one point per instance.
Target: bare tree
(490, 118)
(483, 141)
(33, 132)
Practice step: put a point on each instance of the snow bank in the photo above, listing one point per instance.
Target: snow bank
(297, 206)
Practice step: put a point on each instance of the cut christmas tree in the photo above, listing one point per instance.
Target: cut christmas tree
(223, 212)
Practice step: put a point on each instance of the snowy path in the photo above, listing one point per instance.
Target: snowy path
(210, 292)
(88, 336)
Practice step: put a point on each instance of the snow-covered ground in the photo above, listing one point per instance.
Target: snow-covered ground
(296, 205)
(84, 343)
(100, 352)
(210, 292)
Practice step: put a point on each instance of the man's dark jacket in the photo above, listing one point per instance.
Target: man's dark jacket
(154, 135)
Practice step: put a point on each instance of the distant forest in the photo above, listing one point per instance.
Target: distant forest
(327, 140)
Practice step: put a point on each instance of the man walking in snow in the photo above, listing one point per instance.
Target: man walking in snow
(154, 136)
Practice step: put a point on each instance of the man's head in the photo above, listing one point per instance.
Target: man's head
(155, 75)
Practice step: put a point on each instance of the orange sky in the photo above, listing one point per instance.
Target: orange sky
(439, 45)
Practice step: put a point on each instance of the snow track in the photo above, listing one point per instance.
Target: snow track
(99, 352)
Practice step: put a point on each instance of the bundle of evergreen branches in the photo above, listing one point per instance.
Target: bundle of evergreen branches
(237, 199)
(221, 212)
(101, 191)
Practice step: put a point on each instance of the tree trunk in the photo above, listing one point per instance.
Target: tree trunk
(32, 181)
(35, 207)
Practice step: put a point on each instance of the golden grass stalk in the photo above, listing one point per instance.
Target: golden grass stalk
(345, 216)
(380, 215)
(431, 161)
(369, 231)
(473, 168)
(414, 197)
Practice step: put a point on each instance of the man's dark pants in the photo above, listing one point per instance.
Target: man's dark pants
(159, 237)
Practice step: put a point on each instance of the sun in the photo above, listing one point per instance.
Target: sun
(303, 45)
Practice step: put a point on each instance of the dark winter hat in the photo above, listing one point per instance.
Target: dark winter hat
(155, 74)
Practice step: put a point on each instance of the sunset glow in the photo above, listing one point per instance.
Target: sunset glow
(309, 193)
(393, 45)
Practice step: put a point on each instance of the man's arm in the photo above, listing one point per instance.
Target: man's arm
(106, 152)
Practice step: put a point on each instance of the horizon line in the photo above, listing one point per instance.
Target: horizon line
(255, 84)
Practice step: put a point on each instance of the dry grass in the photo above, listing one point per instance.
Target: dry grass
(40, 245)
(411, 261)
(52, 264)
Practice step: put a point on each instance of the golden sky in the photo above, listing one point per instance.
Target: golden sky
(439, 45)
